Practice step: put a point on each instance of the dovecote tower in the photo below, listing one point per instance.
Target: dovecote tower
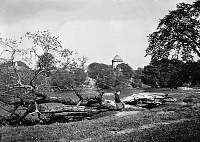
(116, 60)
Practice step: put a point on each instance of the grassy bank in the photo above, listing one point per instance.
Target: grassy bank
(177, 121)
(111, 128)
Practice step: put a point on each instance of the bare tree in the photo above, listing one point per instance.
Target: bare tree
(25, 86)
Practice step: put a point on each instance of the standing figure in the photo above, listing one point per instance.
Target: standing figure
(119, 104)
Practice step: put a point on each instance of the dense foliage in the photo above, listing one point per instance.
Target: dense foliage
(171, 73)
(176, 37)
(107, 77)
(103, 74)
(188, 75)
(137, 78)
(177, 34)
(69, 80)
(126, 70)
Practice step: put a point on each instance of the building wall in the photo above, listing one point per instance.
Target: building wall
(114, 63)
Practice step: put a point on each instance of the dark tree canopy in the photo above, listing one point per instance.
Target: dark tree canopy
(46, 61)
(163, 73)
(126, 70)
(108, 78)
(188, 75)
(96, 70)
(177, 34)
(103, 74)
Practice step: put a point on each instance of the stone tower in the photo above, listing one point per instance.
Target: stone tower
(116, 60)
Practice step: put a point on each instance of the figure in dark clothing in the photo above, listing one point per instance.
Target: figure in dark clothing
(119, 104)
(117, 99)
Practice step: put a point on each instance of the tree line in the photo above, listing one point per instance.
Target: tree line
(29, 75)
(171, 73)
(173, 46)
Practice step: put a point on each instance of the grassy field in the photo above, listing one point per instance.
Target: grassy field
(178, 121)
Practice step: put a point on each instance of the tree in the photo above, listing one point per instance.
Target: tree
(137, 77)
(23, 82)
(46, 61)
(124, 74)
(70, 80)
(138, 72)
(103, 74)
(188, 75)
(126, 70)
(162, 73)
(177, 34)
(151, 76)
(108, 78)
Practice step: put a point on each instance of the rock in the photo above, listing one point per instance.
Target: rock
(108, 94)
(185, 88)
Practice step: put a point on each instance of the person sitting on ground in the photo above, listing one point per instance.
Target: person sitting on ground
(119, 104)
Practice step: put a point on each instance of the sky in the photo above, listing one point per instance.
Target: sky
(97, 29)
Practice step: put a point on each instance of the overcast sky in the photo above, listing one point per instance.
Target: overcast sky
(98, 29)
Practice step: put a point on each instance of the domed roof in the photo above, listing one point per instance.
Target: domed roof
(117, 58)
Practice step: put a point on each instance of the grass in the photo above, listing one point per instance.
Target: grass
(111, 127)
(102, 129)
(162, 133)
